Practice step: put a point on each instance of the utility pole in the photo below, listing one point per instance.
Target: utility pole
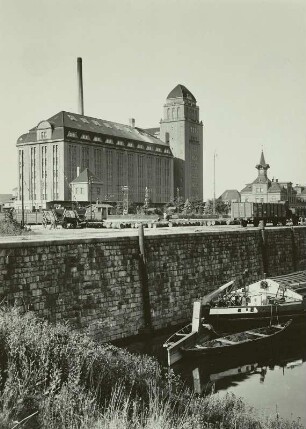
(214, 199)
(22, 192)
(90, 183)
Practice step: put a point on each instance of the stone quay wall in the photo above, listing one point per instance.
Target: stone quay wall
(97, 284)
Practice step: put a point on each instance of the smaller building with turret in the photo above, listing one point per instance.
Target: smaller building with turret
(264, 190)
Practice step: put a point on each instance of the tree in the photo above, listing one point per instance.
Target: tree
(187, 207)
(221, 207)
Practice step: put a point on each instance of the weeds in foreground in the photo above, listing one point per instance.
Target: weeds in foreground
(54, 378)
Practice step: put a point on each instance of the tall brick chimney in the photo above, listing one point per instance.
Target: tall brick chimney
(80, 87)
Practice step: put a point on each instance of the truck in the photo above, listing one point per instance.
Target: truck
(250, 212)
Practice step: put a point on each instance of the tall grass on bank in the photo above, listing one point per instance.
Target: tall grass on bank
(54, 378)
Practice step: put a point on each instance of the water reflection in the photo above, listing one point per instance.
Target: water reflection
(207, 376)
(266, 379)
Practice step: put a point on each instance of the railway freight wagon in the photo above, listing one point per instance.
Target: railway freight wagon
(274, 213)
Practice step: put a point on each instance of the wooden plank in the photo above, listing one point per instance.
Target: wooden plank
(174, 353)
(256, 333)
(226, 341)
(196, 316)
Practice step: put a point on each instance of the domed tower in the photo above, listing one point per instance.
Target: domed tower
(182, 129)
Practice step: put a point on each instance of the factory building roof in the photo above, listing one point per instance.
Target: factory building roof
(88, 128)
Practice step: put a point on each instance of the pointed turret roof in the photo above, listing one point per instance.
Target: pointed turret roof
(262, 162)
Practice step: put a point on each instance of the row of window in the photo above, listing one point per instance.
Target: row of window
(81, 190)
(120, 143)
(175, 113)
(194, 130)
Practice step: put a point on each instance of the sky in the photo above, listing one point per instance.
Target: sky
(243, 60)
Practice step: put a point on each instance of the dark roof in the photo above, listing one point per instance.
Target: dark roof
(4, 198)
(262, 162)
(74, 121)
(262, 179)
(180, 91)
(275, 188)
(230, 195)
(84, 177)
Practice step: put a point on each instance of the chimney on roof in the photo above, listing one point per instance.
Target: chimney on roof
(276, 180)
(80, 87)
(132, 122)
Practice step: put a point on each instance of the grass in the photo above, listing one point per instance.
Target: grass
(54, 378)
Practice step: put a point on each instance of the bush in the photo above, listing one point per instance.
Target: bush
(10, 227)
(54, 378)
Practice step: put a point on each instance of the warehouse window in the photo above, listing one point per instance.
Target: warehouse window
(97, 139)
(72, 134)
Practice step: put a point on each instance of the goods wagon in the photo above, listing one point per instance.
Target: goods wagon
(275, 213)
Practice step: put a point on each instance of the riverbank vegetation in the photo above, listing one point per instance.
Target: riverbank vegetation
(52, 377)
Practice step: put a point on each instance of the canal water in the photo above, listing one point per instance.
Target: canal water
(273, 381)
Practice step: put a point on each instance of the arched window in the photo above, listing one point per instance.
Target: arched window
(173, 113)
(178, 112)
(168, 113)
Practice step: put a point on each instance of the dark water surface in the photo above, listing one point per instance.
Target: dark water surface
(273, 381)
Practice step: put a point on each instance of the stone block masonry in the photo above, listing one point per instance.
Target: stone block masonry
(95, 284)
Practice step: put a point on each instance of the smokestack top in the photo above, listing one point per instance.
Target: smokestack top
(132, 122)
(80, 86)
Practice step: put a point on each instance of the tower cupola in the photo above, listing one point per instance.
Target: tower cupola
(262, 167)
